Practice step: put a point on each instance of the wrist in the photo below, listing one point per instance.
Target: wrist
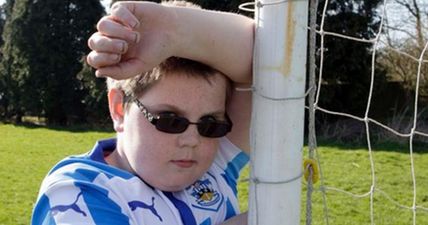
(181, 34)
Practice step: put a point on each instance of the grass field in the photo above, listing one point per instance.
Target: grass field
(27, 154)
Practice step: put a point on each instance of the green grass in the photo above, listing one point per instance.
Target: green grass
(27, 154)
(347, 168)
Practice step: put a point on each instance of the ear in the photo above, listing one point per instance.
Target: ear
(115, 103)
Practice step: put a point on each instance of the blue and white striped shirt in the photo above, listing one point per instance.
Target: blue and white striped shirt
(86, 190)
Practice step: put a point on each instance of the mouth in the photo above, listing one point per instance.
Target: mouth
(184, 163)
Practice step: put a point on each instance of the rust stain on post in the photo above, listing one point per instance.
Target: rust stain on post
(289, 39)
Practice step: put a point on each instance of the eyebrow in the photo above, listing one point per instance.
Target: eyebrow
(162, 107)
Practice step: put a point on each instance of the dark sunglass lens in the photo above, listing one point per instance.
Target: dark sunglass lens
(213, 129)
(172, 124)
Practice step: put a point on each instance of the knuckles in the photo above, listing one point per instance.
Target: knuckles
(100, 59)
(103, 24)
(119, 11)
(91, 41)
(116, 5)
(90, 60)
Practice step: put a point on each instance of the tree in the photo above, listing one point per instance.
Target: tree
(95, 98)
(2, 20)
(2, 84)
(10, 88)
(45, 42)
(347, 64)
(406, 36)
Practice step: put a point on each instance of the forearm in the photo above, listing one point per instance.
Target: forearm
(138, 36)
(222, 40)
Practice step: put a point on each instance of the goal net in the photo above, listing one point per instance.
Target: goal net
(384, 184)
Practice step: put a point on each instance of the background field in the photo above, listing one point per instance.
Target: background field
(27, 154)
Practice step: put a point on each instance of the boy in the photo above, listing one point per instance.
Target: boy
(176, 158)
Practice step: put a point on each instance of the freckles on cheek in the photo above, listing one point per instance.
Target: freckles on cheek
(156, 151)
(210, 151)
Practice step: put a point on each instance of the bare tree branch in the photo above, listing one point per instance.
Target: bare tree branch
(406, 5)
(411, 35)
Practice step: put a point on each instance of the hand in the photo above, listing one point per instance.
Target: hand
(138, 36)
(133, 39)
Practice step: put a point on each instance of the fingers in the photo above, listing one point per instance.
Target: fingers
(100, 43)
(106, 51)
(102, 59)
(111, 42)
(122, 70)
(107, 26)
(116, 51)
(124, 13)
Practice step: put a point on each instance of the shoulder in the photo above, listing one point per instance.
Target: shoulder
(82, 169)
(80, 190)
(230, 160)
(230, 155)
(74, 188)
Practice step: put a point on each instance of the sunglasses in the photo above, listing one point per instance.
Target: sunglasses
(168, 122)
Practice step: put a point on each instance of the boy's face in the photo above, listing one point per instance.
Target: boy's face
(171, 162)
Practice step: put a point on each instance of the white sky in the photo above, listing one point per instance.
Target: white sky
(106, 3)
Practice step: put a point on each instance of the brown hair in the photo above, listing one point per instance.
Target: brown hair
(137, 85)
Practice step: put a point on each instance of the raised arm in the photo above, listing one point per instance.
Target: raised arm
(139, 35)
(225, 41)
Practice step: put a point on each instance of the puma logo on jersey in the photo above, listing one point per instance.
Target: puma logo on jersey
(138, 204)
(73, 206)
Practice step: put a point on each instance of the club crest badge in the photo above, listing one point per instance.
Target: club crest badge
(205, 196)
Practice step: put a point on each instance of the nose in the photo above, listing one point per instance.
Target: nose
(190, 137)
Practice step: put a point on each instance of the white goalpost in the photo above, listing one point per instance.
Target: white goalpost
(279, 96)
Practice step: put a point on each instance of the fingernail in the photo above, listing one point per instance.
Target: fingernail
(134, 24)
(136, 37)
(115, 57)
(122, 47)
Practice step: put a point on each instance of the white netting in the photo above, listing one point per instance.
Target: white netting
(367, 120)
(313, 96)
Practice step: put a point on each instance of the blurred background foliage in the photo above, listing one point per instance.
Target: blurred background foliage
(43, 73)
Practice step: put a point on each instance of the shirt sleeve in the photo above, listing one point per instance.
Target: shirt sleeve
(231, 161)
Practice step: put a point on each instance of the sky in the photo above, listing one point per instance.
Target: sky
(106, 3)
